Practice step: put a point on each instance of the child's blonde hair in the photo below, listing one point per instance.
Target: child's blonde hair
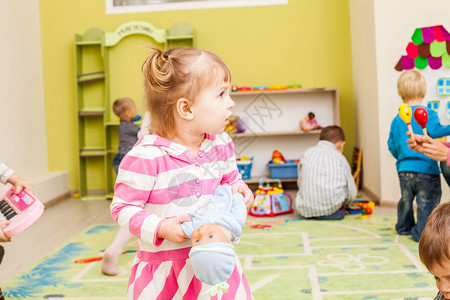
(178, 73)
(434, 244)
(411, 85)
(121, 105)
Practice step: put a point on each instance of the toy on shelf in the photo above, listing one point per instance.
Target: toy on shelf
(278, 87)
(421, 116)
(363, 207)
(280, 167)
(244, 165)
(244, 89)
(405, 113)
(234, 125)
(260, 87)
(269, 200)
(22, 210)
(278, 158)
(309, 123)
(235, 88)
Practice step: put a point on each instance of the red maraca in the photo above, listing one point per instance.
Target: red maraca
(421, 116)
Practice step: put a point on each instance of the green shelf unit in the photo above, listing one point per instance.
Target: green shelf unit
(97, 126)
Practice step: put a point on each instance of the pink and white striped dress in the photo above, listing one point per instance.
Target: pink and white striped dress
(159, 179)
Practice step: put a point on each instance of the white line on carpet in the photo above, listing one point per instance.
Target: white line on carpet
(413, 259)
(266, 280)
(370, 273)
(378, 291)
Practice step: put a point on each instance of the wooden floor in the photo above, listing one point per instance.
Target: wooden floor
(59, 223)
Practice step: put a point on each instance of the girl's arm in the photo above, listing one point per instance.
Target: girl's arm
(134, 184)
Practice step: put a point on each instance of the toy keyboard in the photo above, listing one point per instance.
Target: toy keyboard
(22, 210)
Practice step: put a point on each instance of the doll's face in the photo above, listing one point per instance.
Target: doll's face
(208, 233)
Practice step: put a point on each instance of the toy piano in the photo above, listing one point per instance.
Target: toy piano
(22, 210)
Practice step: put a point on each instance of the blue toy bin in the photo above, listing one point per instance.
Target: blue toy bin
(245, 167)
(286, 170)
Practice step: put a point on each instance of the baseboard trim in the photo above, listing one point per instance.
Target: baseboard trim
(58, 199)
(371, 195)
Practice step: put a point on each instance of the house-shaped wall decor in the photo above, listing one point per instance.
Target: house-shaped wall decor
(429, 52)
(429, 46)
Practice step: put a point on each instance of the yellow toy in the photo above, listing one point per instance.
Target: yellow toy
(405, 113)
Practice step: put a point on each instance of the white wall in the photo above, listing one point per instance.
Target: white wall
(388, 27)
(22, 120)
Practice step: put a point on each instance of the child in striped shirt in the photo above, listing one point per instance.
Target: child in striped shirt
(171, 172)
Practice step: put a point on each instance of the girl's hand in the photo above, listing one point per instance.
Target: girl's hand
(19, 183)
(170, 229)
(244, 191)
(3, 237)
(428, 146)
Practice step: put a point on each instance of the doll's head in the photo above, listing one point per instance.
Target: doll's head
(212, 257)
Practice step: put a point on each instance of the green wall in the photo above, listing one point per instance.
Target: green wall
(305, 42)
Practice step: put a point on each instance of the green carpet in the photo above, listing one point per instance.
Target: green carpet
(282, 259)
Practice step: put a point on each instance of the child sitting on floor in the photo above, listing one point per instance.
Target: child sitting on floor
(213, 228)
(434, 248)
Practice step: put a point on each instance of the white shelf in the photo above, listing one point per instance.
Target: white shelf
(284, 91)
(271, 119)
(275, 133)
(254, 180)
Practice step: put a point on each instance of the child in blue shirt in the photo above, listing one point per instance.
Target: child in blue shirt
(419, 175)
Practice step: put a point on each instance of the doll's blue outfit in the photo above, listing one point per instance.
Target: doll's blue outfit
(214, 263)
(222, 208)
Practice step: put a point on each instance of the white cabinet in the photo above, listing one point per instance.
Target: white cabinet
(272, 118)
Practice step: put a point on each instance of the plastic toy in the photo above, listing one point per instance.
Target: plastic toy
(278, 87)
(278, 158)
(244, 88)
(270, 201)
(260, 87)
(244, 165)
(309, 122)
(234, 125)
(22, 210)
(405, 113)
(363, 207)
(97, 258)
(421, 116)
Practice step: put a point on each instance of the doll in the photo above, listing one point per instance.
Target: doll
(213, 229)
(309, 122)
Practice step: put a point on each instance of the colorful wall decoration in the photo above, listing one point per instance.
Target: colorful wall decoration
(429, 46)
